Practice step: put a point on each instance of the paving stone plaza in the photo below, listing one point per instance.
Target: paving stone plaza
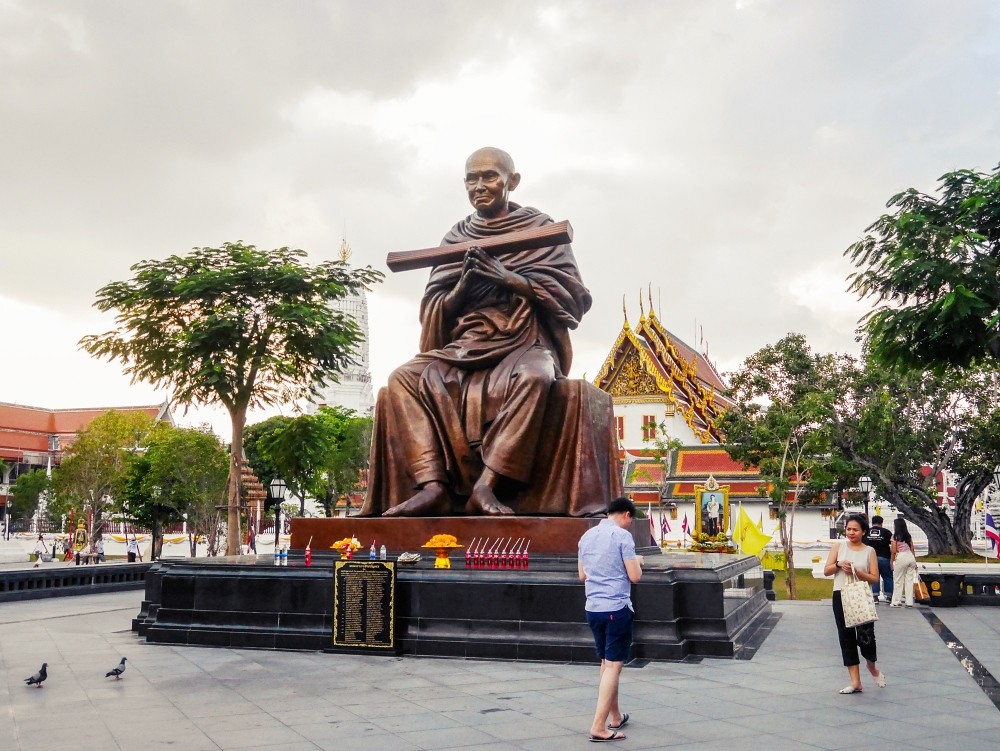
(785, 697)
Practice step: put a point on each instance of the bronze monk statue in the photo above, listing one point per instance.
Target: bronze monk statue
(484, 416)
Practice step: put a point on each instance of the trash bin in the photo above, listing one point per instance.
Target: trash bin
(944, 588)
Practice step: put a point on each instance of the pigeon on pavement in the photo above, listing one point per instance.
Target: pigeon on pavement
(116, 672)
(37, 678)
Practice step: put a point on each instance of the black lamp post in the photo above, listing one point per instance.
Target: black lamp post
(866, 484)
(278, 489)
(996, 476)
(156, 490)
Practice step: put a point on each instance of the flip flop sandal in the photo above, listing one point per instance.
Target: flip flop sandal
(615, 736)
(621, 724)
(850, 690)
(880, 680)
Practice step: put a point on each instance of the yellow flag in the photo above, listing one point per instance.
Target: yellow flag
(751, 539)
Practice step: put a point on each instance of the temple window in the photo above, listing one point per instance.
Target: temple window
(649, 427)
(620, 426)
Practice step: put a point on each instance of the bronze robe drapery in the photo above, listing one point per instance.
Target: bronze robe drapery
(479, 391)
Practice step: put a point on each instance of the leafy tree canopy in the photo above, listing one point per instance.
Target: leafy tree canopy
(182, 471)
(235, 325)
(95, 465)
(893, 425)
(785, 397)
(319, 455)
(932, 267)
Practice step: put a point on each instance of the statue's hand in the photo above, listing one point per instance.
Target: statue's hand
(454, 298)
(489, 268)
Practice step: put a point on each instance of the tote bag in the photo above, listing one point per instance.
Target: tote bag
(920, 590)
(856, 597)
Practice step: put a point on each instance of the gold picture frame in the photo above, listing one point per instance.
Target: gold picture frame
(704, 496)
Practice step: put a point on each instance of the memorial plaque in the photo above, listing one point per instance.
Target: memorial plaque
(364, 604)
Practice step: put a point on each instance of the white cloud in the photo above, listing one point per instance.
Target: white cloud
(725, 152)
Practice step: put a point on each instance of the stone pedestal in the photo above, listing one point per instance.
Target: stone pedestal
(685, 605)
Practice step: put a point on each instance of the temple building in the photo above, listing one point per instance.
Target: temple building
(36, 437)
(354, 390)
(667, 397)
(657, 381)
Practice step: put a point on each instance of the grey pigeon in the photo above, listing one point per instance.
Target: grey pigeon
(116, 672)
(37, 678)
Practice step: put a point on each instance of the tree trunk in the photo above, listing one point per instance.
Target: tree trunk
(788, 547)
(942, 537)
(233, 496)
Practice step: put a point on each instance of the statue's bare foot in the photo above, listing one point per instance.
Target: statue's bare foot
(483, 501)
(432, 497)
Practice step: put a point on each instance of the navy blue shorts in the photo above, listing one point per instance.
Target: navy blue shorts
(612, 634)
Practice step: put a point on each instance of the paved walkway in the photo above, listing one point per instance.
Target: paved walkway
(196, 698)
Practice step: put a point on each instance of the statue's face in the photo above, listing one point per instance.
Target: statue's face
(488, 181)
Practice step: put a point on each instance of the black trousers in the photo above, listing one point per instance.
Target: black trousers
(854, 639)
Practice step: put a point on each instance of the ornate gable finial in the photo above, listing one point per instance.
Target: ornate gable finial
(650, 292)
(711, 483)
(642, 312)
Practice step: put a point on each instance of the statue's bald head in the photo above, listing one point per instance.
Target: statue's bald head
(489, 178)
(493, 154)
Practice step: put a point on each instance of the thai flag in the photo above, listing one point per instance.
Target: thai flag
(991, 531)
(664, 525)
(684, 524)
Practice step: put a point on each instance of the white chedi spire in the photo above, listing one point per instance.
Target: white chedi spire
(355, 388)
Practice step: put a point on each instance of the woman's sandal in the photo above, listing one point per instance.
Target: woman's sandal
(850, 690)
(880, 679)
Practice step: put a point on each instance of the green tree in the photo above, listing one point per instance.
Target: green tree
(232, 325)
(895, 425)
(95, 466)
(320, 455)
(255, 437)
(785, 398)
(183, 471)
(932, 267)
(26, 491)
(346, 455)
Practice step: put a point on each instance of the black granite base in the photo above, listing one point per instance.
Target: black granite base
(685, 605)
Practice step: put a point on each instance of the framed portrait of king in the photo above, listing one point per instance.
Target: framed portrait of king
(711, 515)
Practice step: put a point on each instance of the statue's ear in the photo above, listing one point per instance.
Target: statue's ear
(514, 181)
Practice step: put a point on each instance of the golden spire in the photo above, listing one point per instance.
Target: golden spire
(642, 312)
(650, 292)
(624, 311)
(345, 251)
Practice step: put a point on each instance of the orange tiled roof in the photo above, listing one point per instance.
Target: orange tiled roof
(27, 429)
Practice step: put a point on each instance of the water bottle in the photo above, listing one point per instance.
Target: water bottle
(284, 556)
(371, 553)
(382, 552)
(277, 557)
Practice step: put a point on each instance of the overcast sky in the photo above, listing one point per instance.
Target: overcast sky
(725, 153)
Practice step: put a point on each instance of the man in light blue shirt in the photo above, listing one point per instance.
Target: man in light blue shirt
(608, 566)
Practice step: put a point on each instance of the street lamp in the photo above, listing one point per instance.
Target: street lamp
(996, 476)
(867, 485)
(278, 489)
(155, 493)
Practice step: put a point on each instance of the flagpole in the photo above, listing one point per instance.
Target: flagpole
(739, 532)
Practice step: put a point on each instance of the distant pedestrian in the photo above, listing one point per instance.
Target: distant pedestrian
(608, 566)
(879, 538)
(133, 549)
(97, 551)
(904, 565)
(847, 556)
(41, 550)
